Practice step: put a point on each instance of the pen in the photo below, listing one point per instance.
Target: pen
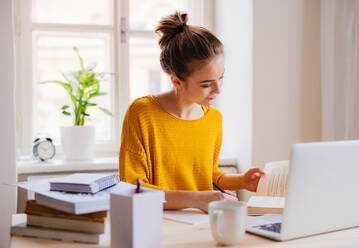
(139, 185)
(219, 188)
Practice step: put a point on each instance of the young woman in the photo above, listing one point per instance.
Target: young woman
(172, 140)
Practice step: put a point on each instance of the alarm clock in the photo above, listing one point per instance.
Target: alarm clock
(43, 149)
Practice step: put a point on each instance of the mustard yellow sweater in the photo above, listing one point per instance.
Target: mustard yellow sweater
(167, 152)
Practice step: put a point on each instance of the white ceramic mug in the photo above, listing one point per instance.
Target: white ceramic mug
(228, 221)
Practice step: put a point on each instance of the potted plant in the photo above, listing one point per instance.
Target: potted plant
(82, 86)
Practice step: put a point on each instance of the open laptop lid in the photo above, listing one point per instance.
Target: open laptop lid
(322, 189)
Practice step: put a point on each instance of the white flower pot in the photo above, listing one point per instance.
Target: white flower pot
(78, 142)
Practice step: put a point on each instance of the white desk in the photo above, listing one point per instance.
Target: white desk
(178, 235)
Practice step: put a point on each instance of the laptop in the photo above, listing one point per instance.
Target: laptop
(321, 194)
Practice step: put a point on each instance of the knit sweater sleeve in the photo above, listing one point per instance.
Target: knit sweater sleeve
(132, 157)
(217, 173)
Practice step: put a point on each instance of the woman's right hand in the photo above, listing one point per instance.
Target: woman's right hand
(202, 198)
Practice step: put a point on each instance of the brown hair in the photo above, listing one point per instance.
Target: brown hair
(183, 44)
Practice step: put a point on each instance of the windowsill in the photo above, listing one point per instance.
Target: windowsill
(96, 164)
(62, 165)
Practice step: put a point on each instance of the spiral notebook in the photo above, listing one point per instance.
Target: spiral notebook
(84, 182)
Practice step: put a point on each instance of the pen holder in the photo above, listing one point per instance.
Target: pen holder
(136, 219)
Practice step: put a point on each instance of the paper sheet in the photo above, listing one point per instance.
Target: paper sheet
(194, 217)
(188, 216)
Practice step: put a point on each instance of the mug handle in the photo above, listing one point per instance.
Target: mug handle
(217, 232)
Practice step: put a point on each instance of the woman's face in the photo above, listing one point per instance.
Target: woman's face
(205, 83)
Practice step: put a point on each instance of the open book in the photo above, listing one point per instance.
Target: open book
(270, 196)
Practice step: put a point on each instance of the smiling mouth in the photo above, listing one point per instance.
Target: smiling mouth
(212, 97)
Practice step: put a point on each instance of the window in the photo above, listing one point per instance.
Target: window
(114, 35)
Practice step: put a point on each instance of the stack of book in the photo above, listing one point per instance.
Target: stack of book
(48, 223)
(75, 209)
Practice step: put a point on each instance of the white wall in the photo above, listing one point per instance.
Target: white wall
(286, 77)
(233, 25)
(272, 94)
(7, 123)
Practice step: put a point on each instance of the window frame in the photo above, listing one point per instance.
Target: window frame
(200, 12)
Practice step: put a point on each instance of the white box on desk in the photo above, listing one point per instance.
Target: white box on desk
(136, 219)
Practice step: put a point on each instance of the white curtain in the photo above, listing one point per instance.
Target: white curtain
(340, 69)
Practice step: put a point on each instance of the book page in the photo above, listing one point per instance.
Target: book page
(273, 183)
(266, 202)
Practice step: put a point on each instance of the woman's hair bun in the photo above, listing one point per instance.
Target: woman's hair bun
(182, 44)
(170, 26)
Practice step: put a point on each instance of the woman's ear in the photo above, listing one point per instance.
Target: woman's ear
(177, 83)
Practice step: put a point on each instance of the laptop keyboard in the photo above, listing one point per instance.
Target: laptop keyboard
(275, 227)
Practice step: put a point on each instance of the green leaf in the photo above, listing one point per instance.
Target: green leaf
(73, 98)
(75, 75)
(97, 94)
(86, 114)
(80, 94)
(106, 111)
(65, 107)
(80, 58)
(86, 103)
(86, 78)
(66, 113)
(67, 86)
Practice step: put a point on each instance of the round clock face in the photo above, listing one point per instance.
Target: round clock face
(46, 150)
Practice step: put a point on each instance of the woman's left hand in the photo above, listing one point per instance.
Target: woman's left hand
(251, 179)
